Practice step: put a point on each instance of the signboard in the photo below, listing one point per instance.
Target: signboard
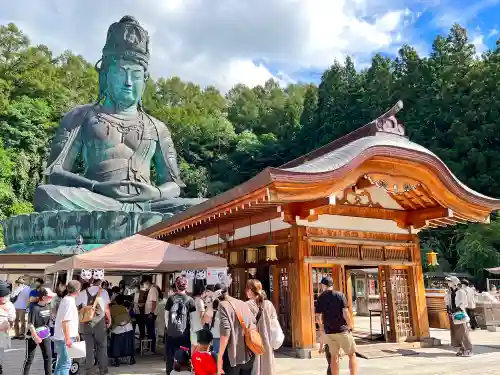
(216, 276)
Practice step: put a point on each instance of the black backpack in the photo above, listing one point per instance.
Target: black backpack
(178, 316)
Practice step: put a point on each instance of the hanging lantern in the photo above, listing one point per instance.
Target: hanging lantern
(271, 253)
(432, 259)
(252, 255)
(233, 258)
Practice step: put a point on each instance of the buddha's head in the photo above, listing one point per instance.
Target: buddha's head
(124, 65)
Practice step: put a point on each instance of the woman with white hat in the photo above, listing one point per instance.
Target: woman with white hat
(456, 304)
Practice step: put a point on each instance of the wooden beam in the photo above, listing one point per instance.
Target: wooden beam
(360, 211)
(416, 198)
(404, 219)
(277, 237)
(221, 225)
(318, 261)
(356, 234)
(419, 218)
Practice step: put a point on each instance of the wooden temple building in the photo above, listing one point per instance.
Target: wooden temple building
(357, 202)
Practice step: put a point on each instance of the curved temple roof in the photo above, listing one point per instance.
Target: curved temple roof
(383, 137)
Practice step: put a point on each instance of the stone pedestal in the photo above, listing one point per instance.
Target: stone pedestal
(56, 232)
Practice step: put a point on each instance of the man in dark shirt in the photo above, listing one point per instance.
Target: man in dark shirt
(335, 325)
(34, 292)
(39, 317)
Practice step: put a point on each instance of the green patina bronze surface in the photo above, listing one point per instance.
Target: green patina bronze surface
(119, 142)
(114, 197)
(56, 232)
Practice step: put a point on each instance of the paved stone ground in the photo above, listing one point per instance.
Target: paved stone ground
(432, 361)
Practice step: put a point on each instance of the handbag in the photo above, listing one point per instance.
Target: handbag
(459, 317)
(253, 339)
(277, 335)
(88, 313)
(43, 332)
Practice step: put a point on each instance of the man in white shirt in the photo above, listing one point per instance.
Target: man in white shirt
(471, 303)
(94, 333)
(150, 309)
(21, 296)
(66, 328)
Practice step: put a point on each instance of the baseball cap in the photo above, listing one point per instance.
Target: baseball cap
(327, 281)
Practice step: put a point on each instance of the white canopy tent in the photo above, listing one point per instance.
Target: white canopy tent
(139, 253)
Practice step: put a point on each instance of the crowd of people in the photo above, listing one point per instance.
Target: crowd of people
(212, 333)
(206, 333)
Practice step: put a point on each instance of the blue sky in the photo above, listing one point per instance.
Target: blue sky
(224, 42)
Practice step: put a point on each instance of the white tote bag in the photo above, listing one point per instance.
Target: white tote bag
(277, 335)
(77, 350)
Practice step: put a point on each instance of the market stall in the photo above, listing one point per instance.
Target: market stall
(139, 253)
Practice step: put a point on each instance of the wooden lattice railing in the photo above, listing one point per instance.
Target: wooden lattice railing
(400, 252)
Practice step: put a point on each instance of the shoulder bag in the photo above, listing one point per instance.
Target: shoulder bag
(88, 313)
(253, 339)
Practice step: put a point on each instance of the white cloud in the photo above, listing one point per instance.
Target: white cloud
(493, 32)
(219, 42)
(449, 13)
(478, 41)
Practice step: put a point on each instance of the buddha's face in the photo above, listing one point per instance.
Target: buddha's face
(125, 83)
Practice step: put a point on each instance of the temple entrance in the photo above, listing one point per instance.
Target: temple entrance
(379, 300)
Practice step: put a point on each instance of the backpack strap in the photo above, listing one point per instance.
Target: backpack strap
(213, 320)
(259, 314)
(98, 294)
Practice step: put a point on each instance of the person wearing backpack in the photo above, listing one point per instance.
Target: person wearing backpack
(95, 319)
(239, 340)
(178, 311)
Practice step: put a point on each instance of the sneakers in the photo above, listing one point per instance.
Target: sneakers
(464, 353)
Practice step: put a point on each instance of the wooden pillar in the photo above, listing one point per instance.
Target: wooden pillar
(348, 293)
(417, 294)
(302, 310)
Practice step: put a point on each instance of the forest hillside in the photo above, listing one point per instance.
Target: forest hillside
(451, 99)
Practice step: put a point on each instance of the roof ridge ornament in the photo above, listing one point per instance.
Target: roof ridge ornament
(388, 123)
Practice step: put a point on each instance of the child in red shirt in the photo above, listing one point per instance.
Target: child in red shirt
(203, 360)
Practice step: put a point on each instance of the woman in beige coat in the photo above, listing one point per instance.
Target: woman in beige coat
(264, 312)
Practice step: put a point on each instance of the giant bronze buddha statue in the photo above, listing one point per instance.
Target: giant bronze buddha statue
(118, 141)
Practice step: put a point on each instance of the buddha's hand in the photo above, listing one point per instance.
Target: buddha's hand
(113, 189)
(145, 192)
